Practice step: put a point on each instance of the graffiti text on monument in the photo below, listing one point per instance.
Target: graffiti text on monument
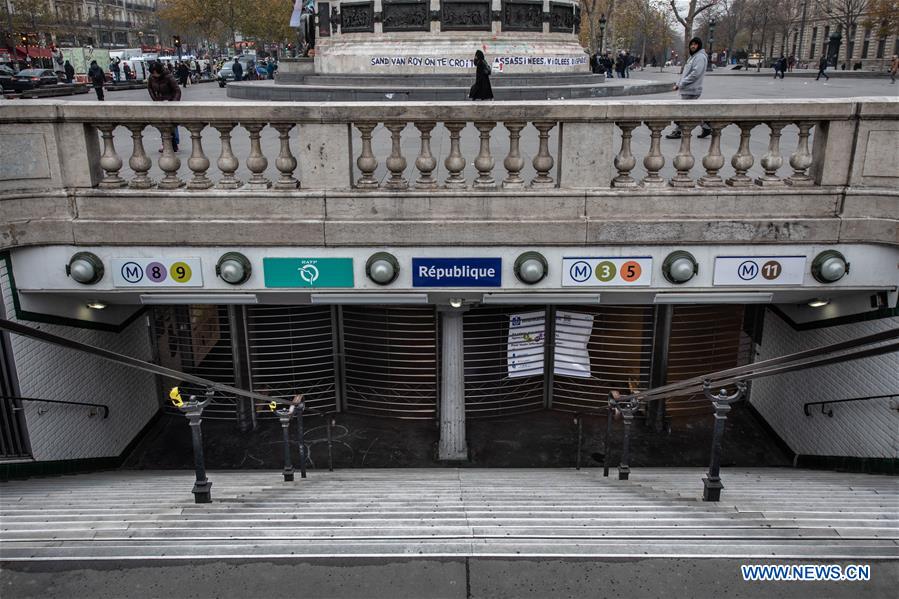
(499, 62)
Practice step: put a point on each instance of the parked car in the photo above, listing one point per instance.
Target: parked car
(6, 77)
(226, 73)
(32, 78)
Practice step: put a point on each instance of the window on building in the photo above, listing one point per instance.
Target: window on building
(866, 43)
(881, 47)
(121, 38)
(826, 40)
(105, 37)
(896, 46)
(850, 42)
(811, 46)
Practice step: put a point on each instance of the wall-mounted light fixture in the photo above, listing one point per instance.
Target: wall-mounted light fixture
(382, 267)
(234, 268)
(679, 267)
(829, 266)
(96, 305)
(531, 268)
(85, 268)
(818, 302)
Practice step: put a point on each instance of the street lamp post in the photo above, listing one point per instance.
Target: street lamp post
(712, 24)
(602, 32)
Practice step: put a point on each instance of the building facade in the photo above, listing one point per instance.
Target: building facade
(99, 23)
(810, 37)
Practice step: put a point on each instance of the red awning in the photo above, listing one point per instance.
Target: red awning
(35, 51)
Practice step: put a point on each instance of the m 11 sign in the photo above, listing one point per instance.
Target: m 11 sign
(759, 270)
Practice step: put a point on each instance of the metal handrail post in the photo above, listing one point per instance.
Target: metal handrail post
(301, 408)
(284, 416)
(711, 484)
(330, 453)
(608, 441)
(193, 410)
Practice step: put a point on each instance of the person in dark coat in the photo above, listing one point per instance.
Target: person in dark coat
(70, 71)
(163, 88)
(481, 89)
(237, 69)
(97, 78)
(127, 72)
(822, 66)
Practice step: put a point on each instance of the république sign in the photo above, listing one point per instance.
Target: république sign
(457, 272)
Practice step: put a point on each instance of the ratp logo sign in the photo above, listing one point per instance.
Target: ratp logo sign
(308, 272)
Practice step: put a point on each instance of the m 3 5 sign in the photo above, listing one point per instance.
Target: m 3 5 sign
(598, 272)
(759, 270)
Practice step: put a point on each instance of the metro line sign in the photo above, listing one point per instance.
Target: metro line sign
(759, 270)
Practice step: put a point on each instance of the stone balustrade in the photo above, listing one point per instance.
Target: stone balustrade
(610, 150)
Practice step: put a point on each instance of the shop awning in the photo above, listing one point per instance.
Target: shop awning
(34, 52)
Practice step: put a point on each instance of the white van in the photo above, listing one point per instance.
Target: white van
(140, 70)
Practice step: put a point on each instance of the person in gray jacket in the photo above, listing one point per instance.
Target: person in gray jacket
(690, 83)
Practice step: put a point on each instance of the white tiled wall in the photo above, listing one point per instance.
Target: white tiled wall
(51, 372)
(865, 429)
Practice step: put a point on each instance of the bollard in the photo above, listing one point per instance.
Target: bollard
(284, 416)
(330, 455)
(624, 469)
(193, 410)
(711, 484)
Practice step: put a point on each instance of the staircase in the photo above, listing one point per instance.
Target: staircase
(764, 513)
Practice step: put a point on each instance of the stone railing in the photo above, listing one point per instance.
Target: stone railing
(771, 151)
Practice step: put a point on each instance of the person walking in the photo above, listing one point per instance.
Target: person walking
(481, 89)
(116, 70)
(237, 69)
(126, 70)
(97, 78)
(690, 83)
(163, 88)
(607, 64)
(822, 66)
(628, 62)
(69, 71)
(894, 68)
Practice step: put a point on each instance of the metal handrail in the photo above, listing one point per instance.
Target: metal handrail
(830, 412)
(779, 365)
(26, 331)
(68, 403)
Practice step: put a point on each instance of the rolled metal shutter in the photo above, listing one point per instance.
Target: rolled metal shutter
(489, 390)
(197, 340)
(620, 350)
(291, 351)
(391, 361)
(704, 339)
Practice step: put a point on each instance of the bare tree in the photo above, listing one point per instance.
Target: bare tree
(694, 9)
(846, 13)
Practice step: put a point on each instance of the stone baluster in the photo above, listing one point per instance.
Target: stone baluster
(801, 159)
(484, 162)
(286, 163)
(772, 160)
(169, 162)
(139, 162)
(425, 163)
(455, 162)
(714, 160)
(110, 161)
(227, 161)
(396, 162)
(625, 161)
(514, 162)
(684, 160)
(256, 161)
(654, 161)
(543, 161)
(742, 160)
(366, 161)
(198, 162)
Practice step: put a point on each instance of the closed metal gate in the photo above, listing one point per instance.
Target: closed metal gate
(704, 339)
(489, 388)
(291, 351)
(391, 363)
(197, 340)
(619, 346)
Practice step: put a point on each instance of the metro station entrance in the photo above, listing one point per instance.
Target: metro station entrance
(375, 370)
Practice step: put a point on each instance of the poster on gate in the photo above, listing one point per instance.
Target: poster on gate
(527, 332)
